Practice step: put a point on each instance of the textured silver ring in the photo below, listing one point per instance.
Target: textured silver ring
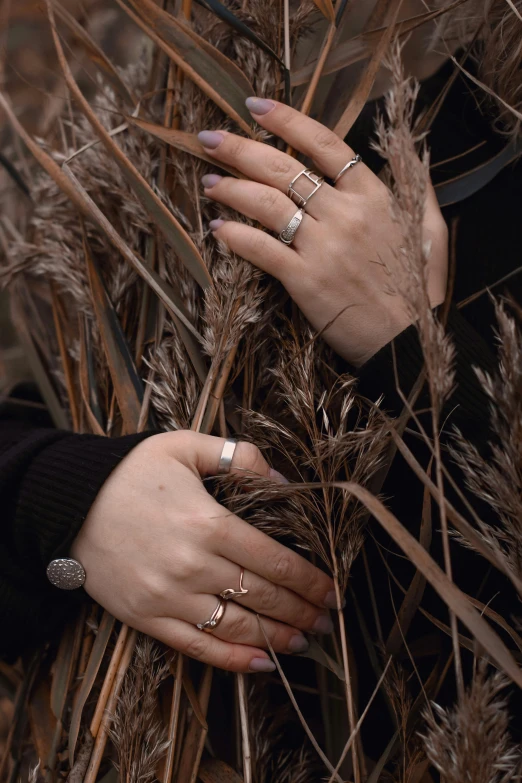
(351, 163)
(287, 234)
(311, 176)
(227, 455)
(66, 573)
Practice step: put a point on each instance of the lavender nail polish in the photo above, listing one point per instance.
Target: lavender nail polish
(298, 644)
(277, 476)
(209, 180)
(261, 665)
(259, 105)
(215, 224)
(330, 601)
(323, 624)
(210, 139)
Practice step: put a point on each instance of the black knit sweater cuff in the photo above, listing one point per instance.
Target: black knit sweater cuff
(57, 491)
(401, 361)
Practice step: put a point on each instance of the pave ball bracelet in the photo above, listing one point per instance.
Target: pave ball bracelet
(66, 573)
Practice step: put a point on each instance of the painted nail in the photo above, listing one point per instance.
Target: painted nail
(215, 224)
(210, 139)
(209, 180)
(298, 644)
(259, 105)
(277, 476)
(330, 601)
(261, 665)
(323, 624)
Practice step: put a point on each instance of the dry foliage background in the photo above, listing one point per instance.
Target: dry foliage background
(131, 316)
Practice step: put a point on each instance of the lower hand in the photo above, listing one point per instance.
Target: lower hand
(157, 550)
(345, 247)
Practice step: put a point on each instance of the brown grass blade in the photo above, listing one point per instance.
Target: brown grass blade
(108, 682)
(96, 54)
(171, 229)
(174, 718)
(362, 90)
(413, 596)
(195, 736)
(181, 140)
(88, 389)
(127, 384)
(363, 45)
(67, 365)
(454, 598)
(214, 74)
(216, 771)
(41, 720)
(95, 660)
(326, 8)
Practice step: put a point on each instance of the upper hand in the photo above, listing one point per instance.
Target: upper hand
(345, 247)
(158, 549)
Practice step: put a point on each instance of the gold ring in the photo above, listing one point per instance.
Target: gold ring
(215, 618)
(229, 593)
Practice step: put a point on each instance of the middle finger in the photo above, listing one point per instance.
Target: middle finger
(259, 202)
(265, 164)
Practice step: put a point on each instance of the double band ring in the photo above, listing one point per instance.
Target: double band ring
(351, 163)
(219, 612)
(297, 198)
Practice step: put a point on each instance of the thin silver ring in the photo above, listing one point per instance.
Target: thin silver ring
(311, 176)
(351, 163)
(215, 618)
(287, 235)
(227, 455)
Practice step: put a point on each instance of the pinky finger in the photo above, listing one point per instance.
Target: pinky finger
(204, 647)
(264, 251)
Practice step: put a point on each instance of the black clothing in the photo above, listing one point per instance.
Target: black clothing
(49, 478)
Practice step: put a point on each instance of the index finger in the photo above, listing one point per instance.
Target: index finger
(243, 544)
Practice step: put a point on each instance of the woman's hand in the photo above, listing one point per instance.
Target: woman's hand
(158, 549)
(345, 247)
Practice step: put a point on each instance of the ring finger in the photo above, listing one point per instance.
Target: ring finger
(240, 626)
(269, 599)
(269, 206)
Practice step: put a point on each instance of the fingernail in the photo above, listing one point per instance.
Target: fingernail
(215, 224)
(209, 180)
(261, 665)
(298, 644)
(277, 476)
(259, 105)
(210, 139)
(323, 624)
(331, 601)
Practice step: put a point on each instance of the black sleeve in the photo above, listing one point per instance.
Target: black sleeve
(49, 479)
(402, 360)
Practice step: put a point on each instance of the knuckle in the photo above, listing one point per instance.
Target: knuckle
(358, 223)
(235, 146)
(279, 165)
(230, 660)
(249, 455)
(196, 647)
(267, 597)
(239, 627)
(187, 567)
(283, 567)
(326, 140)
(268, 199)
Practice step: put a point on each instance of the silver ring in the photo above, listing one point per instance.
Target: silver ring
(227, 455)
(351, 163)
(296, 197)
(66, 573)
(287, 234)
(215, 618)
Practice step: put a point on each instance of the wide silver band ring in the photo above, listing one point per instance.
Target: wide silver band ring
(215, 618)
(227, 455)
(351, 163)
(287, 235)
(297, 198)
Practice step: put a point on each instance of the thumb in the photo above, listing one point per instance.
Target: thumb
(203, 453)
